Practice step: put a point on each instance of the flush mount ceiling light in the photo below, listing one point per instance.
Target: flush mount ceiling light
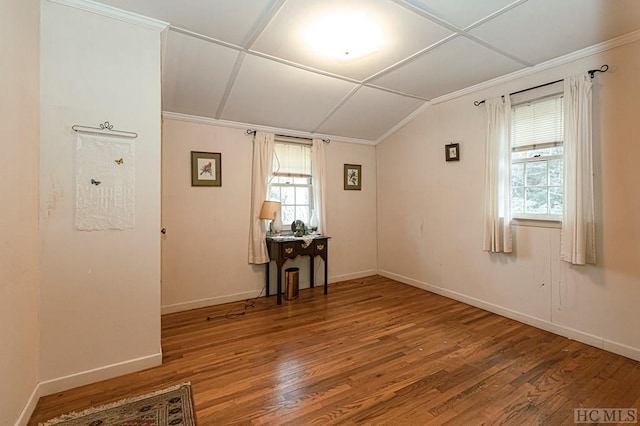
(344, 36)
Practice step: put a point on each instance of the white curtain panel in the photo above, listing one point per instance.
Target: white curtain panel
(497, 203)
(318, 182)
(262, 168)
(577, 244)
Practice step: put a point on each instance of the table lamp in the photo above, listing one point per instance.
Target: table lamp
(271, 211)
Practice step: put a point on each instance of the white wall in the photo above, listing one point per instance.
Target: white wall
(100, 291)
(204, 254)
(430, 215)
(19, 247)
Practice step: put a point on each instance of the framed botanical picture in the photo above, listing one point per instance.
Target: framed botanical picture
(206, 168)
(452, 152)
(352, 176)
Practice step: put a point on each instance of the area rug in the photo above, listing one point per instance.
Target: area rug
(168, 407)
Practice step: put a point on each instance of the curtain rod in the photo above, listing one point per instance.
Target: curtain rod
(592, 73)
(253, 132)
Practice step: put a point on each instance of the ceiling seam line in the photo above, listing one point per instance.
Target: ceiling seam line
(395, 92)
(203, 37)
(337, 107)
(410, 58)
(310, 69)
(494, 15)
(264, 23)
(463, 32)
(304, 67)
(496, 50)
(428, 15)
(264, 55)
(232, 81)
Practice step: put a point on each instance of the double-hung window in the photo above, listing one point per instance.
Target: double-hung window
(291, 182)
(537, 156)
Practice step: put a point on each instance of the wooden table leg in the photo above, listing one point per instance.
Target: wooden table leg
(279, 297)
(326, 276)
(311, 278)
(268, 278)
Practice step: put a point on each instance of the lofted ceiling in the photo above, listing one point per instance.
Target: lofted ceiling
(246, 62)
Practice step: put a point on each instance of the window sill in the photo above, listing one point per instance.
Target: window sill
(537, 222)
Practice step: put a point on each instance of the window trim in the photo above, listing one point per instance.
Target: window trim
(279, 175)
(537, 222)
(532, 219)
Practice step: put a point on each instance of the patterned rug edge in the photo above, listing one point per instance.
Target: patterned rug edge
(114, 404)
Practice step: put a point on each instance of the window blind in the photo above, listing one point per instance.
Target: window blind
(292, 159)
(538, 123)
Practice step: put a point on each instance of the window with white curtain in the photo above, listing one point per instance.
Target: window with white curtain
(291, 183)
(537, 154)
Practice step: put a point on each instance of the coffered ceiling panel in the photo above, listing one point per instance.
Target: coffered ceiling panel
(446, 68)
(402, 32)
(273, 94)
(539, 30)
(369, 113)
(195, 75)
(250, 62)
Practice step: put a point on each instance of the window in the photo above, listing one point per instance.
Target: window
(537, 158)
(291, 183)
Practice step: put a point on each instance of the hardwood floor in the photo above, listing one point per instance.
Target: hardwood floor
(374, 351)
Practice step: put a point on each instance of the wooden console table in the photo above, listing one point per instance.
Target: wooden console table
(281, 249)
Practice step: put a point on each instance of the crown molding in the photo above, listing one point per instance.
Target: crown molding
(552, 63)
(246, 126)
(115, 13)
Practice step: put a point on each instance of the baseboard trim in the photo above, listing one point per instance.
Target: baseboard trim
(620, 349)
(71, 381)
(211, 301)
(353, 276)
(229, 298)
(29, 407)
(580, 336)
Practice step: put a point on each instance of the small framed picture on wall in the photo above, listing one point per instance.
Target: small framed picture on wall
(352, 177)
(206, 168)
(452, 152)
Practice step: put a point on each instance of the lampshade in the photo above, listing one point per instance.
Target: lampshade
(269, 209)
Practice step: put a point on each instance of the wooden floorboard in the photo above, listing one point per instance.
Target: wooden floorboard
(374, 351)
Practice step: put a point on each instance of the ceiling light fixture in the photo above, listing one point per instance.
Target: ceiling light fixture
(344, 36)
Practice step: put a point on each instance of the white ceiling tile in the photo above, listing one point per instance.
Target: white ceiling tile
(461, 13)
(195, 75)
(539, 30)
(369, 113)
(277, 95)
(456, 64)
(232, 21)
(404, 33)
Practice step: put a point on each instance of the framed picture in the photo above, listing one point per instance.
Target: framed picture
(206, 168)
(452, 152)
(352, 176)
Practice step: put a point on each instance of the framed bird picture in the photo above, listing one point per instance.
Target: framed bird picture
(206, 168)
(353, 177)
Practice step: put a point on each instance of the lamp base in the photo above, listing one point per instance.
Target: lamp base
(276, 224)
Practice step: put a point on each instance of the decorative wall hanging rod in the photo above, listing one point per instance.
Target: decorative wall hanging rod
(105, 128)
(592, 74)
(253, 132)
